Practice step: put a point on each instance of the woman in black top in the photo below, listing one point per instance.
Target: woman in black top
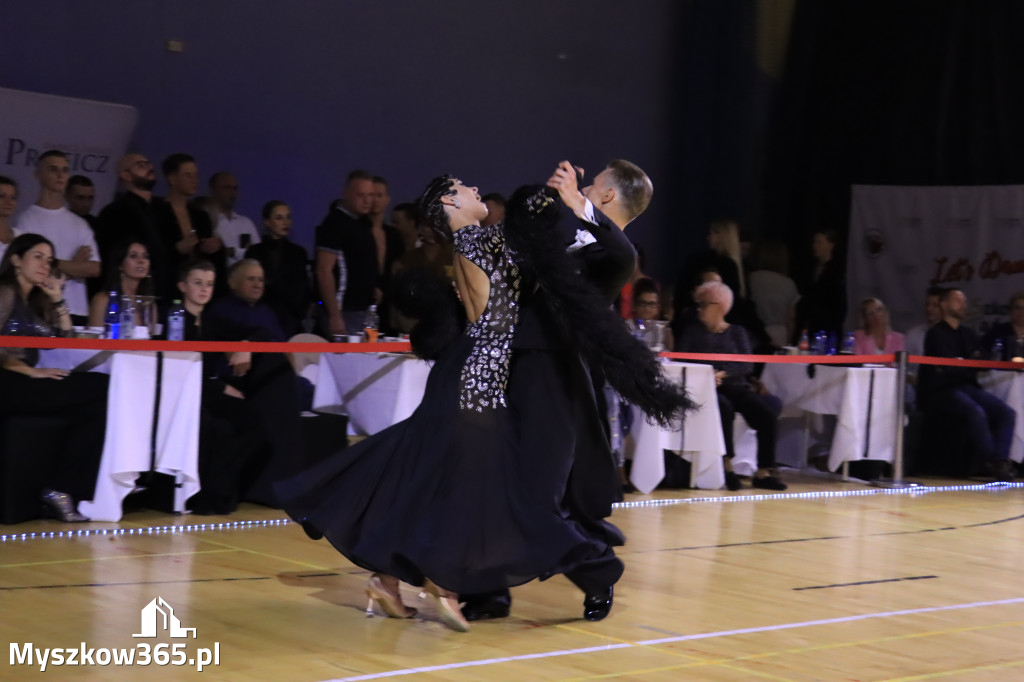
(737, 390)
(285, 267)
(31, 304)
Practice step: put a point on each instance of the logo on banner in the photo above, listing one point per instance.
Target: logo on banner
(157, 615)
(874, 243)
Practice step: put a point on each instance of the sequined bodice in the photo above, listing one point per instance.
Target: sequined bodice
(485, 374)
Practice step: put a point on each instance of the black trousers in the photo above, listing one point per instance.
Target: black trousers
(81, 400)
(761, 412)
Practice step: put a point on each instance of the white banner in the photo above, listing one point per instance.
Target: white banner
(94, 135)
(906, 239)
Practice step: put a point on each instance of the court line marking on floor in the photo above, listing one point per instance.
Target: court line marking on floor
(141, 582)
(937, 675)
(683, 638)
(116, 557)
(734, 661)
(865, 582)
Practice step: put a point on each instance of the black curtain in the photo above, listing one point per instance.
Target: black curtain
(907, 92)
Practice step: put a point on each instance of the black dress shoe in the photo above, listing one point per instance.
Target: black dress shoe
(312, 531)
(732, 481)
(597, 606)
(486, 607)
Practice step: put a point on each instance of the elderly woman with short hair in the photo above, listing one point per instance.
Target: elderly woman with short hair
(738, 390)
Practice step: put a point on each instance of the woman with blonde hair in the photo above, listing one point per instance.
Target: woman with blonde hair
(875, 336)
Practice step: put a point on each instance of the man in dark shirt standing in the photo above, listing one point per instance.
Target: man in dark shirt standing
(347, 270)
(955, 391)
(131, 217)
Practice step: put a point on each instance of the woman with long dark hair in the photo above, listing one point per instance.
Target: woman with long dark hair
(127, 275)
(466, 496)
(31, 304)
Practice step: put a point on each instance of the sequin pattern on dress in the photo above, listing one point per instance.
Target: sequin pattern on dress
(484, 376)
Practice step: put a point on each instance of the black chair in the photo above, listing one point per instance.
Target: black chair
(29, 446)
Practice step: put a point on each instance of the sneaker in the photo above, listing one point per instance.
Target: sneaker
(768, 483)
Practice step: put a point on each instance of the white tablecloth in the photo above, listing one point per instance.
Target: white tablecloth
(700, 439)
(376, 390)
(866, 414)
(1009, 387)
(130, 408)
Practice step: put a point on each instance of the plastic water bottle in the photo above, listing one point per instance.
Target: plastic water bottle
(127, 330)
(804, 345)
(831, 343)
(112, 318)
(176, 322)
(371, 325)
(641, 330)
(997, 350)
(849, 344)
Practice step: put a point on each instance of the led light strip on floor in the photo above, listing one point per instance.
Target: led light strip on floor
(247, 525)
(152, 530)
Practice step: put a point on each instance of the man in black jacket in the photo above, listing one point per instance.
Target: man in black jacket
(955, 391)
(606, 258)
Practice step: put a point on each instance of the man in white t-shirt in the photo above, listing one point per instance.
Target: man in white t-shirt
(73, 241)
(236, 231)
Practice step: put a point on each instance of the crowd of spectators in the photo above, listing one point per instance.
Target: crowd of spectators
(238, 282)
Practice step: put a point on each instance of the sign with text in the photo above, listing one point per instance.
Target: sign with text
(94, 135)
(906, 239)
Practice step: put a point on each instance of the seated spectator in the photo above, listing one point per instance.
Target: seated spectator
(742, 313)
(1009, 333)
(127, 275)
(875, 336)
(250, 434)
(737, 390)
(774, 294)
(32, 304)
(954, 392)
(914, 338)
(286, 268)
(243, 307)
(8, 205)
(647, 306)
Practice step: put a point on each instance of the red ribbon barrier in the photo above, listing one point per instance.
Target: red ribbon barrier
(203, 346)
(784, 359)
(960, 362)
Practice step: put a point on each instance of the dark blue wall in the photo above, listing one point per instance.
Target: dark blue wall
(292, 95)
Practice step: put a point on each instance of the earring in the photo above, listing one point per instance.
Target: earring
(457, 204)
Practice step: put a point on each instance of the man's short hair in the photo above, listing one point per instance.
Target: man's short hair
(495, 197)
(217, 176)
(240, 265)
(378, 180)
(948, 292)
(635, 188)
(409, 210)
(11, 182)
(198, 264)
(934, 291)
(358, 174)
(79, 181)
(50, 153)
(173, 163)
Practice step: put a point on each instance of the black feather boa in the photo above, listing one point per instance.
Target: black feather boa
(586, 319)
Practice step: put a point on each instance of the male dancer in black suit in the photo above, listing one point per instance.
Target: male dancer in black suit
(618, 194)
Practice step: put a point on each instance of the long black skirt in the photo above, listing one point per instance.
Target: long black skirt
(470, 500)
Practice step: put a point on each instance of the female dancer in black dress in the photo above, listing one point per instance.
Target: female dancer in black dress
(466, 495)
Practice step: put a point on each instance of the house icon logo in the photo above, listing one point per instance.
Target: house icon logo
(157, 615)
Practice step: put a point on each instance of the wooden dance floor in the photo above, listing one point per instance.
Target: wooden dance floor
(858, 584)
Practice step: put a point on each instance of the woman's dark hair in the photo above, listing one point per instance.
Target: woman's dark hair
(645, 285)
(4, 180)
(268, 208)
(112, 268)
(19, 246)
(431, 209)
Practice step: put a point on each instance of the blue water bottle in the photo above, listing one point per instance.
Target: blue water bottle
(112, 318)
(176, 322)
(997, 350)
